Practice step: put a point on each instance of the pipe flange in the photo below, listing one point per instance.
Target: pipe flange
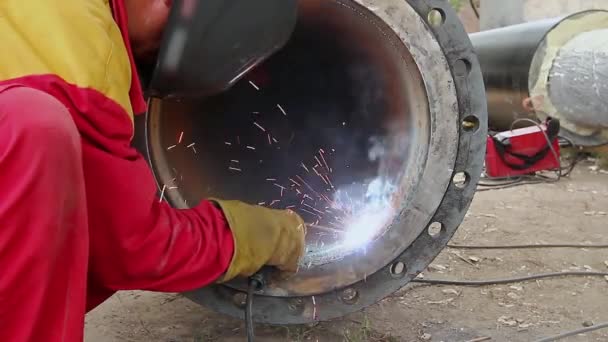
(432, 32)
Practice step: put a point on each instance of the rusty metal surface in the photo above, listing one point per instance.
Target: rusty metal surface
(394, 106)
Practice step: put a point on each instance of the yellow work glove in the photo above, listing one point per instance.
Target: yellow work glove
(262, 236)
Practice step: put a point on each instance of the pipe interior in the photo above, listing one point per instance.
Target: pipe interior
(330, 127)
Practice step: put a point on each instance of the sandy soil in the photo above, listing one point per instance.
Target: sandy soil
(571, 211)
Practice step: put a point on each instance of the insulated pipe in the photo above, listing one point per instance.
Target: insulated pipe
(541, 69)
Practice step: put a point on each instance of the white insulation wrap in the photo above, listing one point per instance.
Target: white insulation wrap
(578, 81)
(569, 77)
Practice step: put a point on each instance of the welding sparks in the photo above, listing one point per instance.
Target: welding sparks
(173, 188)
(171, 147)
(191, 145)
(318, 161)
(162, 194)
(259, 126)
(234, 161)
(308, 212)
(330, 184)
(273, 202)
(314, 308)
(194, 150)
(281, 109)
(271, 179)
(294, 182)
(228, 143)
(305, 168)
(308, 186)
(275, 140)
(315, 209)
(250, 147)
(280, 187)
(181, 136)
(317, 172)
(269, 141)
(254, 85)
(235, 169)
(324, 162)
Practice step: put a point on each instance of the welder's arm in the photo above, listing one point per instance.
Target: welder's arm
(139, 242)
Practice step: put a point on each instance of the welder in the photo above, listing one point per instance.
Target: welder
(80, 215)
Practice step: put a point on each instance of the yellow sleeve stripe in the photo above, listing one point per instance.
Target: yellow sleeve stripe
(76, 40)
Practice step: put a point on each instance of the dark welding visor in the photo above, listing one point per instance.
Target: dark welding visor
(209, 45)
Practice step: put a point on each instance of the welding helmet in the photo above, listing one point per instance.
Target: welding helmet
(208, 45)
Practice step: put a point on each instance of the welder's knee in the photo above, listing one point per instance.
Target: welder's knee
(36, 122)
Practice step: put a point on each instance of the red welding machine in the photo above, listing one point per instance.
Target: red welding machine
(523, 151)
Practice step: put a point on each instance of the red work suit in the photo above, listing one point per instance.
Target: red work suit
(79, 212)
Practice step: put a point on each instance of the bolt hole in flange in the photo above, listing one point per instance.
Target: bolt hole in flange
(436, 17)
(398, 269)
(461, 180)
(470, 123)
(350, 296)
(435, 229)
(295, 306)
(462, 67)
(239, 299)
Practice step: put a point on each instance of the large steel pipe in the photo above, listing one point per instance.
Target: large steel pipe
(370, 123)
(549, 68)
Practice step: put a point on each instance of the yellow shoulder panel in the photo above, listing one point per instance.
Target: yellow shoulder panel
(76, 40)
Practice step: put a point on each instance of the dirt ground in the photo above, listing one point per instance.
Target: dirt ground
(572, 211)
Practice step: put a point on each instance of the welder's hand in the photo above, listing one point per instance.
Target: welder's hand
(262, 236)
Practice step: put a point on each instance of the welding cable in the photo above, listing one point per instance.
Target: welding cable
(574, 332)
(509, 280)
(501, 181)
(475, 10)
(550, 245)
(573, 162)
(509, 185)
(256, 283)
(249, 312)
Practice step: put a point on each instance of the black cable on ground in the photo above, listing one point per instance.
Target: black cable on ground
(509, 280)
(551, 245)
(474, 8)
(507, 186)
(574, 332)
